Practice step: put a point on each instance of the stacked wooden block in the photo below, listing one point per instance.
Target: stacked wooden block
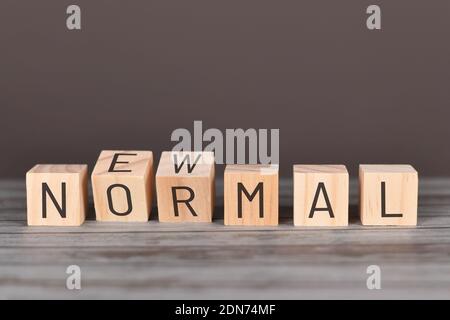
(123, 189)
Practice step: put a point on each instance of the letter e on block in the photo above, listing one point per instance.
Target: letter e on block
(388, 195)
(56, 195)
(122, 183)
(185, 186)
(321, 195)
(251, 195)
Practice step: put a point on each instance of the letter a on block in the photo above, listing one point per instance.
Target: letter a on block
(251, 195)
(320, 195)
(185, 186)
(122, 185)
(56, 195)
(389, 195)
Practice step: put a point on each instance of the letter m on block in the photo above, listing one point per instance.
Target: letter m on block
(259, 190)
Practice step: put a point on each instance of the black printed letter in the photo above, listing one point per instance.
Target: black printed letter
(186, 202)
(61, 209)
(114, 162)
(188, 159)
(110, 202)
(259, 189)
(328, 208)
(383, 204)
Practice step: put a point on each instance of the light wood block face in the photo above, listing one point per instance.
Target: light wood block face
(251, 195)
(388, 195)
(56, 195)
(185, 186)
(122, 183)
(321, 194)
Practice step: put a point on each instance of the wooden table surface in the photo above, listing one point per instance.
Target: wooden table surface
(208, 261)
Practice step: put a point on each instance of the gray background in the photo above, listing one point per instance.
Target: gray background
(139, 69)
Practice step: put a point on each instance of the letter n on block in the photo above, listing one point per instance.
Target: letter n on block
(122, 183)
(320, 195)
(185, 186)
(57, 195)
(388, 195)
(251, 195)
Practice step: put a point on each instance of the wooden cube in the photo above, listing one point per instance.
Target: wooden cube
(388, 195)
(251, 195)
(122, 186)
(185, 186)
(320, 195)
(56, 195)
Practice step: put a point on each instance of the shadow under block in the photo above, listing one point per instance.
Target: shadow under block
(388, 195)
(185, 186)
(56, 195)
(251, 195)
(321, 195)
(122, 186)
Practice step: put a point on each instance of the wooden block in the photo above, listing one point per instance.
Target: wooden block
(122, 186)
(251, 195)
(185, 186)
(56, 195)
(388, 195)
(320, 195)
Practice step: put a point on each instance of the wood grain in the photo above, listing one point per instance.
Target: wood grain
(189, 261)
(258, 205)
(322, 187)
(388, 194)
(183, 176)
(56, 195)
(122, 183)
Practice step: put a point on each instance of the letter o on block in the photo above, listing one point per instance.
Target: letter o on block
(122, 186)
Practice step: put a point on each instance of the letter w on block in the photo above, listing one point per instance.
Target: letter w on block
(185, 186)
(251, 195)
